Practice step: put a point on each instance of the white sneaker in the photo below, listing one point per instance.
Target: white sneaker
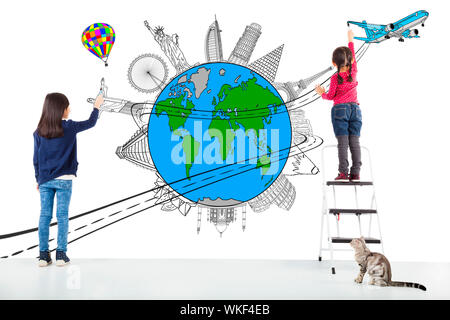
(61, 258)
(44, 258)
(43, 263)
(61, 263)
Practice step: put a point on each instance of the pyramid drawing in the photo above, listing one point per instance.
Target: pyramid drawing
(267, 65)
(136, 150)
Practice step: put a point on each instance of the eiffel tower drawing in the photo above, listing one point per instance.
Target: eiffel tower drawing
(294, 89)
(267, 65)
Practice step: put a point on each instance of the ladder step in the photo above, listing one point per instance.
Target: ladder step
(353, 211)
(348, 240)
(349, 183)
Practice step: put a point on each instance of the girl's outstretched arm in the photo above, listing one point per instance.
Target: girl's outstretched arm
(352, 48)
(351, 45)
(79, 126)
(89, 123)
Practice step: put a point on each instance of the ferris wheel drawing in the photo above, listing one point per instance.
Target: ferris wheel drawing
(148, 73)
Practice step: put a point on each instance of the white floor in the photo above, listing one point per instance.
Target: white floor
(211, 280)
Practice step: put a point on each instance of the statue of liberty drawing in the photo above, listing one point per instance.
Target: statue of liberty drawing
(169, 44)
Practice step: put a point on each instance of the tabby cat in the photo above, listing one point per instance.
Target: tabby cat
(377, 266)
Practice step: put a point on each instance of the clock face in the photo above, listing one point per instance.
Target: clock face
(148, 73)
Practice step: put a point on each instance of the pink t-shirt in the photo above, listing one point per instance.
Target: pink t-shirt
(345, 92)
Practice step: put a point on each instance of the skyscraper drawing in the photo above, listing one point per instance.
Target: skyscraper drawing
(213, 43)
(267, 65)
(244, 48)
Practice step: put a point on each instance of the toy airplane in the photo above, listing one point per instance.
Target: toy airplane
(400, 29)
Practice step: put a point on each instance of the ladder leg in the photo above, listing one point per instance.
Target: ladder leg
(358, 215)
(324, 210)
(336, 216)
(321, 238)
(374, 201)
(330, 244)
(337, 225)
(334, 197)
(379, 231)
(321, 230)
(370, 218)
(356, 198)
(359, 224)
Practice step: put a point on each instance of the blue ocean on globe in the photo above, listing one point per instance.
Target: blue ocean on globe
(219, 134)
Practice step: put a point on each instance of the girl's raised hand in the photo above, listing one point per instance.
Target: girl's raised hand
(98, 101)
(350, 35)
(320, 90)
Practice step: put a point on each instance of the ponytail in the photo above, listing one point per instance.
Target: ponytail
(339, 77)
(350, 78)
(343, 56)
(350, 57)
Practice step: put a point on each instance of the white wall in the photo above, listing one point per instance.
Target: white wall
(402, 91)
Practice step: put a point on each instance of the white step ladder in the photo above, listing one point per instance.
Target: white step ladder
(336, 211)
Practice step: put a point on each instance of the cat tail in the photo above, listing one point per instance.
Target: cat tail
(407, 284)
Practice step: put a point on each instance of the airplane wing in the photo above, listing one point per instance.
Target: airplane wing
(373, 31)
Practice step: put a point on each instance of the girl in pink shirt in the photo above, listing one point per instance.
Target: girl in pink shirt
(345, 114)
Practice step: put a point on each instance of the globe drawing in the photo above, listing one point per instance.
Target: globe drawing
(221, 129)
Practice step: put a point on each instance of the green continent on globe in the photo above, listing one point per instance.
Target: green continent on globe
(190, 148)
(178, 115)
(220, 128)
(264, 163)
(175, 111)
(248, 105)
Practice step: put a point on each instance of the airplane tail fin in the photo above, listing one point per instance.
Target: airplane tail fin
(367, 29)
(369, 32)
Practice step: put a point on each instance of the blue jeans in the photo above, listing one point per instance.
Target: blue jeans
(346, 119)
(63, 191)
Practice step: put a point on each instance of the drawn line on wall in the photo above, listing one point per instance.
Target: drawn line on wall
(182, 194)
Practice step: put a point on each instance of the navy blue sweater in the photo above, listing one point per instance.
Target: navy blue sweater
(58, 156)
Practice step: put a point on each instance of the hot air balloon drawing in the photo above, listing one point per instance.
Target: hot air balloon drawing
(99, 38)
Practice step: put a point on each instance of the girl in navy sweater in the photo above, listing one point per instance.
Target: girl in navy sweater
(55, 165)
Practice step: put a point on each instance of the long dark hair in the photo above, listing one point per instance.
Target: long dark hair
(342, 57)
(50, 124)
